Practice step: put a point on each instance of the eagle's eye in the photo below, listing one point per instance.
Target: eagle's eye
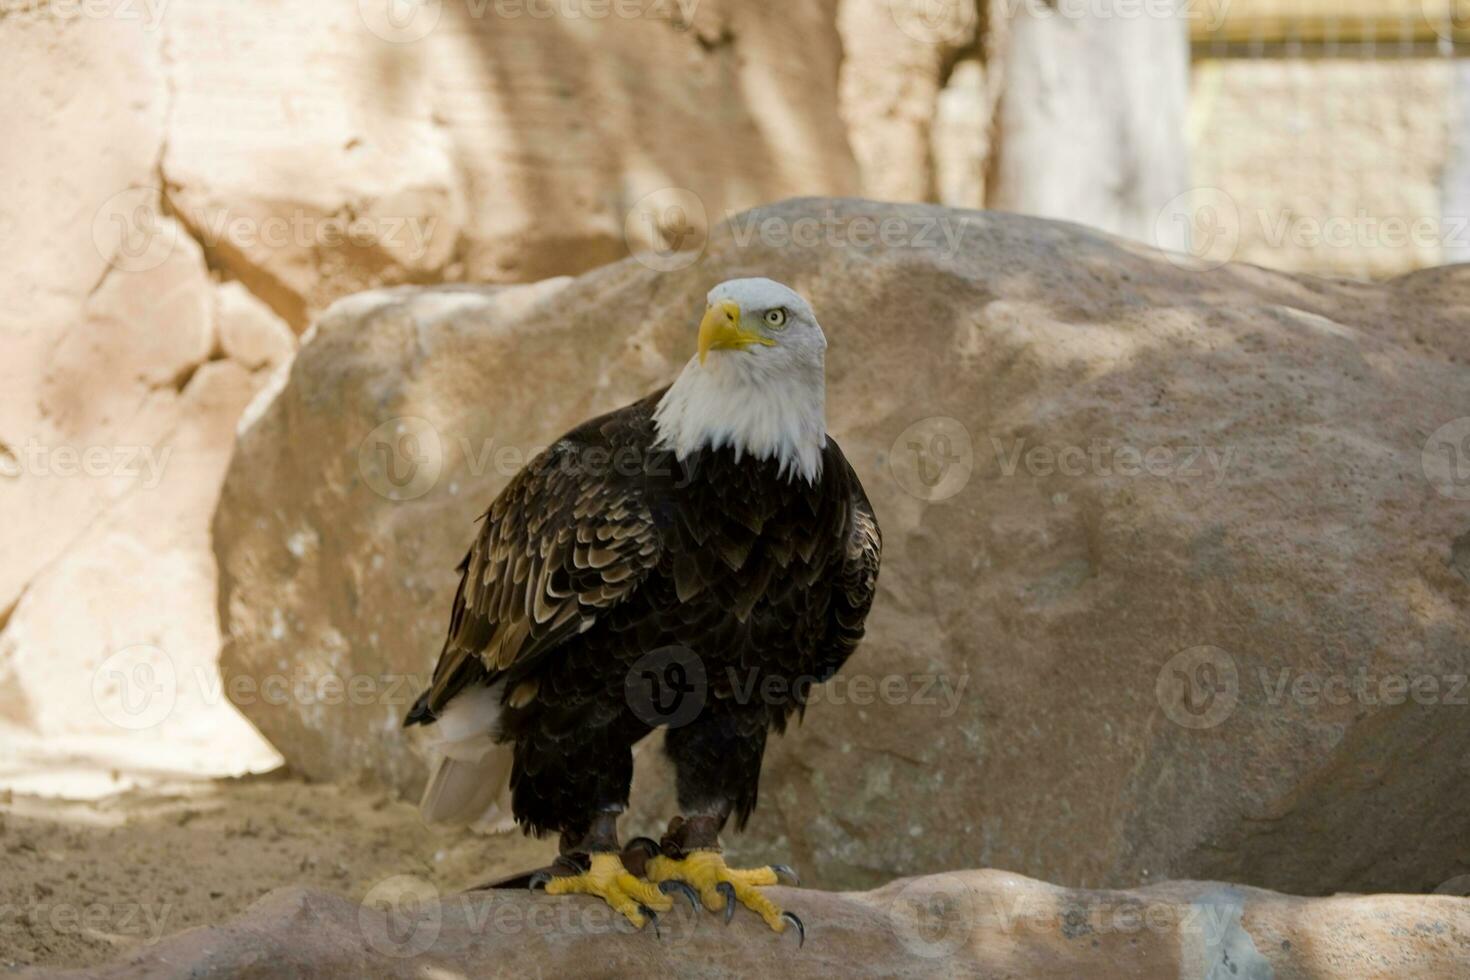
(776, 319)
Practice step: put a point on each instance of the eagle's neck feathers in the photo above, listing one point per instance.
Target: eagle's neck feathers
(729, 402)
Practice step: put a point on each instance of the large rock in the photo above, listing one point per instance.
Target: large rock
(1133, 512)
(966, 923)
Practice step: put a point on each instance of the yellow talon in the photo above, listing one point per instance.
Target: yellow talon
(617, 886)
(715, 880)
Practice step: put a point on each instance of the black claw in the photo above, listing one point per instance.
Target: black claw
(671, 886)
(539, 880)
(648, 845)
(652, 917)
(786, 873)
(800, 929)
(728, 890)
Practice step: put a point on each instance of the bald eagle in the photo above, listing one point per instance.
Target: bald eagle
(696, 561)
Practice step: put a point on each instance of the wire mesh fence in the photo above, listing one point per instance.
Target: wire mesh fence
(1331, 136)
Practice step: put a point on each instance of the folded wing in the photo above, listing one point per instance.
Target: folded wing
(567, 539)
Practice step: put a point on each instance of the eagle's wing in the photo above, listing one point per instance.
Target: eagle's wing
(857, 572)
(564, 541)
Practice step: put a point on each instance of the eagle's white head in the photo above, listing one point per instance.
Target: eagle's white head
(757, 384)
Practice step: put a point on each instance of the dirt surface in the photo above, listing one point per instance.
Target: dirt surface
(82, 882)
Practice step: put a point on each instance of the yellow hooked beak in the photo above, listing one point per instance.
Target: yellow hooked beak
(720, 330)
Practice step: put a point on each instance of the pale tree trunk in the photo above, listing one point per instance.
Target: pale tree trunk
(1090, 119)
(1062, 108)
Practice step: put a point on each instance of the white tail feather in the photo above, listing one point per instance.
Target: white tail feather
(469, 783)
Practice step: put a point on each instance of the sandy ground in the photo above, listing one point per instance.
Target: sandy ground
(82, 881)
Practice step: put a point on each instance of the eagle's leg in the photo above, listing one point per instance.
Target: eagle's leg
(717, 763)
(638, 900)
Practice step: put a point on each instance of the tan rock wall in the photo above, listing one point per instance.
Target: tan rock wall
(487, 141)
(117, 411)
(1334, 166)
(188, 184)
